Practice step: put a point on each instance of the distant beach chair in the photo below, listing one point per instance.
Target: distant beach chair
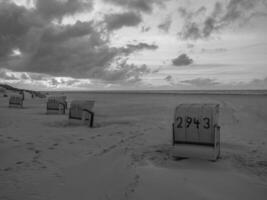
(16, 100)
(196, 132)
(22, 94)
(82, 110)
(56, 104)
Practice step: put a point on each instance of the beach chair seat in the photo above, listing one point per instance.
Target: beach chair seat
(196, 132)
(82, 110)
(16, 101)
(56, 104)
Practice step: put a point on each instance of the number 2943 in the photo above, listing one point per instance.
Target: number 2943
(189, 122)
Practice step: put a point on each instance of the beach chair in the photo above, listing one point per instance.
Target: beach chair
(196, 132)
(16, 101)
(82, 110)
(56, 104)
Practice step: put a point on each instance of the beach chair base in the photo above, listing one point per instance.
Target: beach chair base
(87, 118)
(196, 151)
(15, 106)
(53, 112)
(60, 110)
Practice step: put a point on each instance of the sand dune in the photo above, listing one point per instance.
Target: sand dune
(128, 153)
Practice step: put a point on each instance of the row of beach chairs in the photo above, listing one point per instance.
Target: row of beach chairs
(79, 109)
(195, 129)
(16, 100)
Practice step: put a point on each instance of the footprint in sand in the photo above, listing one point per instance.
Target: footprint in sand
(30, 145)
(132, 186)
(262, 163)
(53, 147)
(31, 148)
(175, 158)
(106, 150)
(7, 169)
(19, 162)
(115, 133)
(37, 151)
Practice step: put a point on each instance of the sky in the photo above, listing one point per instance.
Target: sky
(133, 44)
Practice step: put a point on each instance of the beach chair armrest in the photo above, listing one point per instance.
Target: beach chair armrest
(92, 116)
(173, 138)
(217, 134)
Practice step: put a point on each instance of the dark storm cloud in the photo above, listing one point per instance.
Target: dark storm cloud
(80, 50)
(14, 24)
(199, 24)
(201, 82)
(57, 8)
(165, 25)
(182, 60)
(139, 5)
(57, 34)
(130, 48)
(191, 14)
(119, 20)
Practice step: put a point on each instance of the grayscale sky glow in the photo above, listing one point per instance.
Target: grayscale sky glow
(133, 44)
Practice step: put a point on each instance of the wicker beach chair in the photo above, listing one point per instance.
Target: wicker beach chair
(196, 132)
(16, 100)
(56, 104)
(82, 110)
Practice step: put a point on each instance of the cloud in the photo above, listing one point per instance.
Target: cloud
(138, 5)
(119, 20)
(208, 83)
(57, 8)
(256, 84)
(182, 60)
(217, 50)
(14, 25)
(200, 25)
(145, 29)
(7, 76)
(122, 73)
(130, 48)
(25, 76)
(190, 46)
(201, 82)
(165, 25)
(79, 50)
(168, 78)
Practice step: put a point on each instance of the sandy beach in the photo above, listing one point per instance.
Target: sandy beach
(128, 153)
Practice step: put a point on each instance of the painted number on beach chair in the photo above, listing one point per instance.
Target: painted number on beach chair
(189, 121)
(207, 123)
